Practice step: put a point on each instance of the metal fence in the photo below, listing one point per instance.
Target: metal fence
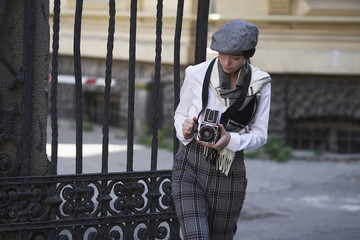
(126, 205)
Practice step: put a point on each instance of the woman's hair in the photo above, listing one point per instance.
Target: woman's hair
(249, 53)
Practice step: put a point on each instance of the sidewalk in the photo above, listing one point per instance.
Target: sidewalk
(92, 149)
(302, 199)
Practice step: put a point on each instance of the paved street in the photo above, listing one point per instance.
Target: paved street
(298, 200)
(301, 200)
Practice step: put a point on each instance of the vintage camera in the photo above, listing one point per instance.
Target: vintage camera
(208, 131)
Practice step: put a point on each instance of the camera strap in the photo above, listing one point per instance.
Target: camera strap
(205, 88)
(231, 111)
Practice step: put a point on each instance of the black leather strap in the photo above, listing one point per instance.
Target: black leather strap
(230, 111)
(205, 88)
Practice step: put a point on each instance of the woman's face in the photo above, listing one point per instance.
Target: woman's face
(231, 63)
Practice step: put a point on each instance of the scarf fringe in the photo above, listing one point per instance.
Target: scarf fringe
(211, 155)
(225, 160)
(221, 160)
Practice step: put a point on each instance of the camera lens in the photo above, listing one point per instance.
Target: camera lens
(207, 133)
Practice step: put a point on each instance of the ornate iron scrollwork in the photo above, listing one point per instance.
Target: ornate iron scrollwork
(21, 204)
(129, 195)
(6, 163)
(77, 200)
(94, 206)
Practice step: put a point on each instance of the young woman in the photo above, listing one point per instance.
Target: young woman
(209, 176)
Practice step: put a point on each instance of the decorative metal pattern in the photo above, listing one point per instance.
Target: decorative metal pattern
(129, 205)
(93, 206)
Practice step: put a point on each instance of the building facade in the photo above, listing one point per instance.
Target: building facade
(311, 48)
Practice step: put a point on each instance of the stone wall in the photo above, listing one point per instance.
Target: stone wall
(314, 97)
(327, 107)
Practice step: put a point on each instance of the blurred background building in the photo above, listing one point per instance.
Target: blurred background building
(311, 48)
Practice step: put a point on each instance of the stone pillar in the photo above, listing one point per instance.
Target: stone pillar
(12, 87)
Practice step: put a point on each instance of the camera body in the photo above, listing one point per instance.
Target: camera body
(208, 131)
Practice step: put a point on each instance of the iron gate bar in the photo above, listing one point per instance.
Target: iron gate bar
(54, 88)
(108, 76)
(131, 98)
(78, 86)
(201, 30)
(156, 93)
(177, 46)
(78, 97)
(45, 206)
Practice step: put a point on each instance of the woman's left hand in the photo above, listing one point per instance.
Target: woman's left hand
(223, 140)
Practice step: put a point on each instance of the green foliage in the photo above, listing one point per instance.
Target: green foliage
(87, 126)
(251, 154)
(276, 149)
(145, 137)
(121, 136)
(318, 152)
(164, 141)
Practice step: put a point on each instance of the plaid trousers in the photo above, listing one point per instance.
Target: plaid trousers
(208, 203)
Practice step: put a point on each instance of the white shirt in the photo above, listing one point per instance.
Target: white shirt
(191, 103)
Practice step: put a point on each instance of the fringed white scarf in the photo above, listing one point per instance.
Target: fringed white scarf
(225, 156)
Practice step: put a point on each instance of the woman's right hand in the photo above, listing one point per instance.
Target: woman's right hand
(188, 128)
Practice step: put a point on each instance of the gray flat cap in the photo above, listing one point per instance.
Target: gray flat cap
(234, 37)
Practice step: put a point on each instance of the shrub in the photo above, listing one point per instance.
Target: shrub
(164, 141)
(251, 154)
(276, 149)
(87, 125)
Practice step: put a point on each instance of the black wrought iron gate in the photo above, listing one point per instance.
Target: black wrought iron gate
(127, 205)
